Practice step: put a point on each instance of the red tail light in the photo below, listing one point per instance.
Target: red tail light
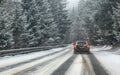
(88, 46)
(75, 46)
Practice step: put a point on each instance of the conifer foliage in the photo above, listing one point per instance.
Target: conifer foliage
(100, 20)
(33, 23)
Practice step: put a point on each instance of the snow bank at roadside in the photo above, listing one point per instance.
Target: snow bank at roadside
(110, 61)
(104, 48)
(10, 60)
(117, 51)
(100, 48)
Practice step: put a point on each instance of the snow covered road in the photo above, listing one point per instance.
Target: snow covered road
(104, 60)
(62, 61)
(59, 61)
(109, 60)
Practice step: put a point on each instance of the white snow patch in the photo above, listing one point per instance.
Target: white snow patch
(76, 68)
(30, 65)
(51, 67)
(110, 62)
(10, 60)
(99, 48)
(117, 52)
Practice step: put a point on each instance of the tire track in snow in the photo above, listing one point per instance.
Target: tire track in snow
(64, 67)
(40, 65)
(16, 70)
(97, 67)
(21, 63)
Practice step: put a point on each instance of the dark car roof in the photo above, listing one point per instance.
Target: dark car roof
(81, 41)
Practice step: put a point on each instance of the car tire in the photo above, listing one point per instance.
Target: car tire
(88, 52)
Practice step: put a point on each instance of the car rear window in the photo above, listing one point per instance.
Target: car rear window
(81, 43)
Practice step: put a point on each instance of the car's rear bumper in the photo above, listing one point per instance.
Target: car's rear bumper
(82, 49)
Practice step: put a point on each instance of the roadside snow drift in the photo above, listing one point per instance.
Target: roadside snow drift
(109, 60)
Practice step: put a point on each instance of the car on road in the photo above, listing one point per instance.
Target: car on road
(81, 46)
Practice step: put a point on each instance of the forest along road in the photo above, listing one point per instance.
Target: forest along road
(59, 61)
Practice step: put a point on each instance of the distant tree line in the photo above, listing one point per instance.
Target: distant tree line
(100, 19)
(32, 23)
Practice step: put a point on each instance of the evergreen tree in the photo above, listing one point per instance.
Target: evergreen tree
(86, 12)
(45, 21)
(17, 25)
(40, 22)
(4, 33)
(99, 19)
(77, 30)
(116, 25)
(1, 1)
(29, 10)
(104, 19)
(60, 17)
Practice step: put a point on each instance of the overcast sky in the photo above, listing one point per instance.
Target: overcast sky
(72, 3)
